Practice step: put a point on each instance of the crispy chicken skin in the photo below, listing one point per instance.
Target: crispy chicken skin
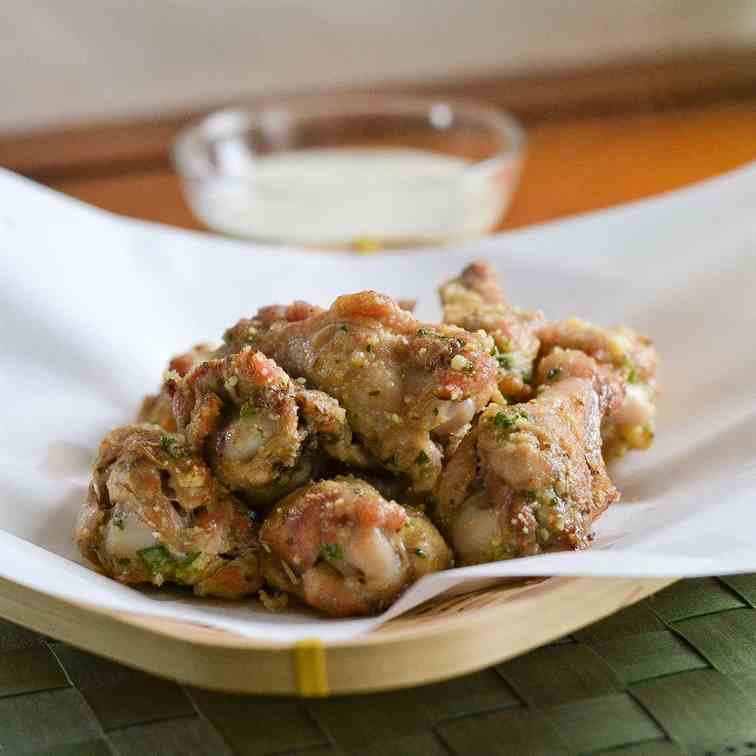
(248, 330)
(156, 408)
(156, 514)
(342, 548)
(410, 389)
(262, 433)
(474, 301)
(633, 358)
(530, 477)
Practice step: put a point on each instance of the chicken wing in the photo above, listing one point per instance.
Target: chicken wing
(156, 408)
(156, 514)
(262, 433)
(342, 548)
(634, 360)
(475, 301)
(530, 478)
(410, 389)
(248, 330)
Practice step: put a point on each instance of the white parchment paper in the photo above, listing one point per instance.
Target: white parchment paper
(92, 306)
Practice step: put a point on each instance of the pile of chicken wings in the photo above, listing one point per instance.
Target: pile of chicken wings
(336, 456)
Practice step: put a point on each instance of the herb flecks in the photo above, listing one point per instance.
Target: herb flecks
(156, 558)
(504, 360)
(553, 374)
(422, 459)
(422, 554)
(172, 446)
(508, 421)
(332, 551)
(247, 411)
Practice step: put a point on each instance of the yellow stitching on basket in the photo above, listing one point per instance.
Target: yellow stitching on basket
(312, 675)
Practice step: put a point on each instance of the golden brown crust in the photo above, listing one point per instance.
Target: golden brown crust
(633, 360)
(531, 477)
(475, 301)
(157, 408)
(407, 387)
(155, 513)
(342, 548)
(262, 433)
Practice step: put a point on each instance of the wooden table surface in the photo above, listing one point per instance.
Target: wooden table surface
(573, 164)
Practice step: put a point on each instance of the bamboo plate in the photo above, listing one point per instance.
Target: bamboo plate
(441, 639)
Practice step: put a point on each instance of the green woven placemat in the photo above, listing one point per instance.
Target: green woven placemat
(674, 674)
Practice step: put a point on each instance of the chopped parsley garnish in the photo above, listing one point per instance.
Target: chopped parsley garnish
(344, 328)
(124, 562)
(247, 410)
(419, 552)
(529, 496)
(502, 421)
(422, 459)
(424, 333)
(156, 558)
(332, 551)
(505, 361)
(553, 373)
(191, 558)
(172, 446)
(632, 373)
(508, 421)
(184, 564)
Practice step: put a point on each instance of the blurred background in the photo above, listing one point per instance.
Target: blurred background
(80, 60)
(621, 99)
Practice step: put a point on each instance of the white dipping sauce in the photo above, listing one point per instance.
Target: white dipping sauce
(342, 196)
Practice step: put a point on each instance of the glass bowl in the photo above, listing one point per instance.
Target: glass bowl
(367, 171)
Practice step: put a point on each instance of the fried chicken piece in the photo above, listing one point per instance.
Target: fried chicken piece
(474, 301)
(634, 360)
(156, 408)
(262, 434)
(530, 478)
(410, 390)
(609, 385)
(272, 317)
(342, 548)
(156, 514)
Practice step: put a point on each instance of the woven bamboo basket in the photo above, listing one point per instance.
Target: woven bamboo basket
(436, 641)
